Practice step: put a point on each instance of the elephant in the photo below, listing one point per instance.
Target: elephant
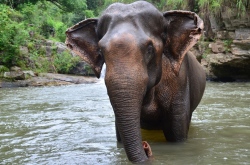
(153, 81)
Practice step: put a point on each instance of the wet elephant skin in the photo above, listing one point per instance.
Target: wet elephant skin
(152, 79)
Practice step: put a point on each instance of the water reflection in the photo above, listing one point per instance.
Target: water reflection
(75, 125)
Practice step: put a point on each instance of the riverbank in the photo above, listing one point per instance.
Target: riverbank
(48, 79)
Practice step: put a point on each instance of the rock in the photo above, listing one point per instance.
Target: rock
(226, 67)
(217, 47)
(48, 50)
(222, 34)
(230, 56)
(61, 47)
(28, 74)
(242, 34)
(241, 48)
(49, 43)
(71, 79)
(15, 68)
(238, 51)
(49, 79)
(82, 68)
(23, 50)
(233, 21)
(225, 35)
(215, 27)
(231, 35)
(15, 75)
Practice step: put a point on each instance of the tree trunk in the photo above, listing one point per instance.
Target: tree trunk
(207, 27)
(191, 5)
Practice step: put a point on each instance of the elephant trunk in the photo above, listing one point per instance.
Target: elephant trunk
(126, 98)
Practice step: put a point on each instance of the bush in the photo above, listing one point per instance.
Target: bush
(3, 69)
(64, 62)
(12, 35)
(29, 23)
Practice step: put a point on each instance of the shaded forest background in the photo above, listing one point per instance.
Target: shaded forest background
(29, 23)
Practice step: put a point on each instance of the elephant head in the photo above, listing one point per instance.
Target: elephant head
(131, 39)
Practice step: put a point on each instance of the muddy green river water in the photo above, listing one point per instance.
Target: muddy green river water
(75, 125)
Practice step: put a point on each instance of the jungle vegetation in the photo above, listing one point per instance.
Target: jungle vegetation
(30, 22)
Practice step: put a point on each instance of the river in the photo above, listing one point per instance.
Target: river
(75, 125)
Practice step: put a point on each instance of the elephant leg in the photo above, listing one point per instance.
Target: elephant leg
(118, 136)
(176, 128)
(176, 122)
(176, 116)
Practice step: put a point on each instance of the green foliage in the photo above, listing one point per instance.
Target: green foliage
(215, 6)
(26, 23)
(29, 22)
(93, 5)
(88, 69)
(212, 3)
(15, 3)
(227, 44)
(12, 35)
(3, 69)
(64, 62)
(65, 5)
(176, 4)
(44, 19)
(242, 6)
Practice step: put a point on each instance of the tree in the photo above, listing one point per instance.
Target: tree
(15, 3)
(12, 35)
(65, 5)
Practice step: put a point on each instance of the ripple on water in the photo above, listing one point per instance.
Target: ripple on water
(75, 125)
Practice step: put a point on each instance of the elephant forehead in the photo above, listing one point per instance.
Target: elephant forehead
(138, 16)
(139, 11)
(119, 8)
(118, 41)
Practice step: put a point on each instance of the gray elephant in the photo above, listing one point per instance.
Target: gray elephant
(153, 82)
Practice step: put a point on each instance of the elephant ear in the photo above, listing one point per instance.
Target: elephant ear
(82, 39)
(182, 31)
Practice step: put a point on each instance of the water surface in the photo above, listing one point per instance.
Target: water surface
(75, 125)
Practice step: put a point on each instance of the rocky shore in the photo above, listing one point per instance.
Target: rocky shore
(225, 55)
(16, 77)
(47, 79)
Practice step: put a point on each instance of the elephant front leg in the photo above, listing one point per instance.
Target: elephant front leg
(176, 123)
(176, 116)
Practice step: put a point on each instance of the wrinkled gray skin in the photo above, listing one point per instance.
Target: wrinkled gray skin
(153, 82)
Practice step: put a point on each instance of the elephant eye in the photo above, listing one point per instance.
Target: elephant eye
(150, 49)
(99, 52)
(149, 53)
